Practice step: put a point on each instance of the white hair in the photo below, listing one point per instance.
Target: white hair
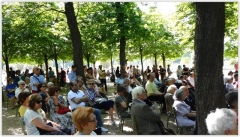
(171, 88)
(227, 78)
(20, 82)
(50, 84)
(137, 90)
(220, 121)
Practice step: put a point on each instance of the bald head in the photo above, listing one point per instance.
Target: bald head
(36, 70)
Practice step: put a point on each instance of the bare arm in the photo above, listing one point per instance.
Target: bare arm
(191, 114)
(123, 104)
(39, 123)
(79, 100)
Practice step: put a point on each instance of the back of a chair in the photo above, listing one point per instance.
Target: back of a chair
(175, 115)
(134, 124)
(168, 106)
(21, 120)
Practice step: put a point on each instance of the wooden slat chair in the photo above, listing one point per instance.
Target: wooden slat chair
(122, 122)
(179, 128)
(22, 124)
(169, 111)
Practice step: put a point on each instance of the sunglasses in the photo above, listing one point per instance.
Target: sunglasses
(91, 83)
(44, 86)
(40, 101)
(22, 84)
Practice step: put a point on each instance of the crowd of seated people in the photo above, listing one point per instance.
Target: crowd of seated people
(177, 93)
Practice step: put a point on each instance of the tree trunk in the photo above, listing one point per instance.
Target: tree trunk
(141, 61)
(76, 38)
(63, 64)
(56, 64)
(46, 65)
(112, 64)
(155, 58)
(6, 61)
(164, 60)
(209, 46)
(120, 22)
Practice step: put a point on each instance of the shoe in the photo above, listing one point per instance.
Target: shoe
(104, 129)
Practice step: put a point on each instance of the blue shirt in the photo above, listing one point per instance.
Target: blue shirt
(72, 76)
(12, 86)
(37, 79)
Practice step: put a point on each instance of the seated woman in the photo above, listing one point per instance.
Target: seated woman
(85, 120)
(222, 122)
(89, 74)
(94, 96)
(134, 80)
(28, 84)
(59, 110)
(33, 119)
(183, 112)
(232, 101)
(23, 101)
(120, 102)
(229, 85)
(10, 89)
(21, 88)
(43, 92)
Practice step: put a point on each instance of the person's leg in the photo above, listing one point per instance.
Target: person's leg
(97, 113)
(12, 101)
(105, 83)
(111, 113)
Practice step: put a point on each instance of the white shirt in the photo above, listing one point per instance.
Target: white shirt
(29, 116)
(191, 81)
(72, 95)
(18, 91)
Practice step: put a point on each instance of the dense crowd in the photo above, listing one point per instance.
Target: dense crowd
(80, 112)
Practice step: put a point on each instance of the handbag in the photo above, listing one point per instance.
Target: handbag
(63, 129)
(63, 110)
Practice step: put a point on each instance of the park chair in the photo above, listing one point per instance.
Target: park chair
(134, 122)
(122, 122)
(21, 120)
(17, 108)
(179, 128)
(48, 110)
(169, 110)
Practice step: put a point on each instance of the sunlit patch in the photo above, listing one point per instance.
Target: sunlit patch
(16, 131)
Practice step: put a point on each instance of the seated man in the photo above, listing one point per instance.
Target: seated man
(120, 102)
(78, 98)
(146, 119)
(153, 93)
(169, 97)
(148, 122)
(94, 96)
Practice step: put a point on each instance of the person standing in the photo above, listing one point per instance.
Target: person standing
(36, 79)
(72, 75)
(102, 77)
(11, 73)
(51, 75)
(63, 76)
(179, 71)
(162, 72)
